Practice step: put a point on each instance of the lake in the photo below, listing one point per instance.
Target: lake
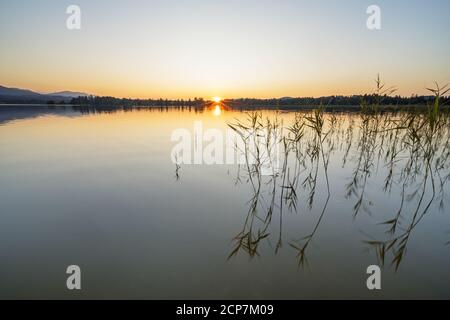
(98, 188)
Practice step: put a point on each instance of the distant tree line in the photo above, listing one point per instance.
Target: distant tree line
(123, 102)
(353, 100)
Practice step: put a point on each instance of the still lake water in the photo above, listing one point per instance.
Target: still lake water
(99, 190)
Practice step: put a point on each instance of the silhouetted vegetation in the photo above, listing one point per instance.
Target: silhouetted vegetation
(122, 102)
(282, 103)
(355, 100)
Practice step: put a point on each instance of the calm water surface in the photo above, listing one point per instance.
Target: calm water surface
(99, 190)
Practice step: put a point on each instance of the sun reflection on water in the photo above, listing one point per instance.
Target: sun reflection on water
(217, 111)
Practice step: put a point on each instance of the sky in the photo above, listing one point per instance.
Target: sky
(231, 49)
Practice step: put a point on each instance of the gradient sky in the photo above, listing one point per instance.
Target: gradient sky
(246, 48)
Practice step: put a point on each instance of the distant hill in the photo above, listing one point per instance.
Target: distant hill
(286, 98)
(70, 94)
(4, 91)
(15, 95)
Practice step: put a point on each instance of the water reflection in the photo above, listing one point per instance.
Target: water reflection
(96, 186)
(217, 111)
(406, 152)
(10, 113)
(402, 154)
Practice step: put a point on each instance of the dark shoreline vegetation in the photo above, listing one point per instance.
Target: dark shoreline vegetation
(382, 97)
(351, 102)
(328, 104)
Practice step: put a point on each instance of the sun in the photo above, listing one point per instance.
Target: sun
(217, 99)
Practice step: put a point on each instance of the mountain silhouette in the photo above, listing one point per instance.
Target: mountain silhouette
(70, 94)
(16, 95)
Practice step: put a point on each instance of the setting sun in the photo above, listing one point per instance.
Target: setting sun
(217, 99)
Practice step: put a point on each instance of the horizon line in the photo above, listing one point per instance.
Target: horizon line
(55, 93)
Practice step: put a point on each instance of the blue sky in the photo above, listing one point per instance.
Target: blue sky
(226, 48)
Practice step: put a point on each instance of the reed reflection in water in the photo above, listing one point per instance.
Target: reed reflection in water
(407, 153)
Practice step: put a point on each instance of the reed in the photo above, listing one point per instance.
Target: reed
(411, 147)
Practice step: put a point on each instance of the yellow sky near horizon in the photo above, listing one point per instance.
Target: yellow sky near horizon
(167, 49)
